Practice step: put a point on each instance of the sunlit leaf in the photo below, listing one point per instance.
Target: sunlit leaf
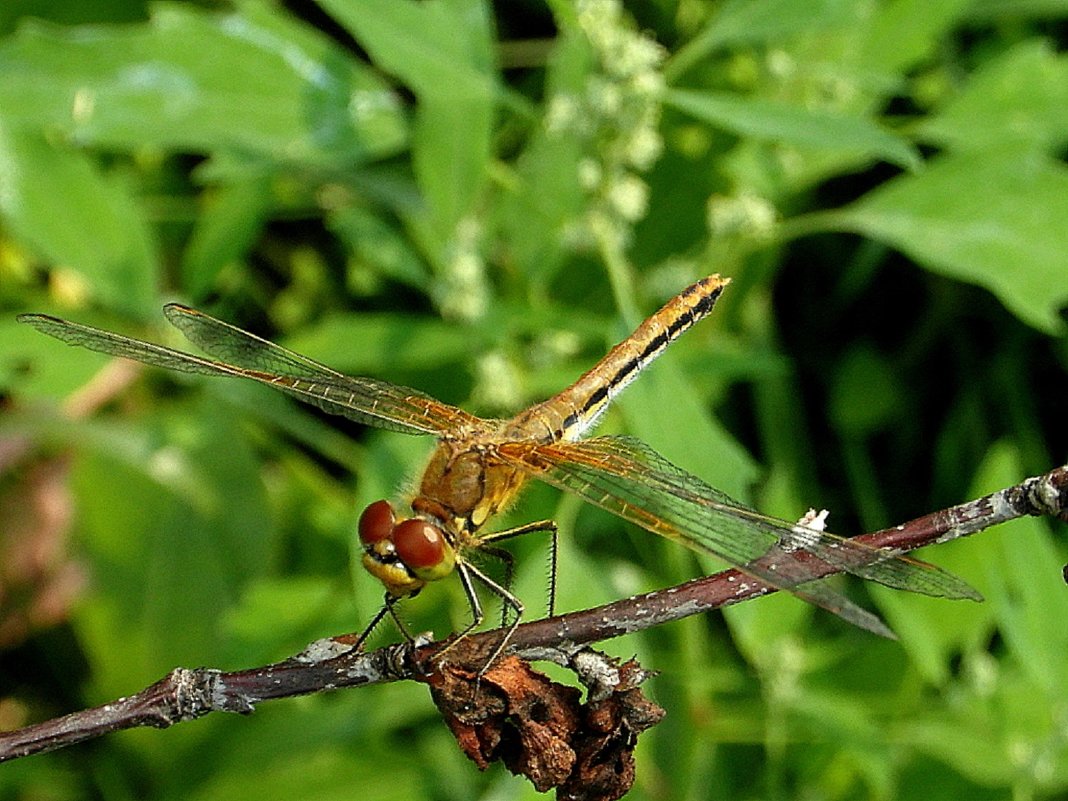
(61, 204)
(192, 81)
(1022, 96)
(794, 125)
(993, 218)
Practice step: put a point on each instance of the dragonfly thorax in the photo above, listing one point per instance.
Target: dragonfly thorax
(404, 555)
(466, 485)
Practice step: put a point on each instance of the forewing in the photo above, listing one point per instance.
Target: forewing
(629, 479)
(375, 403)
(366, 400)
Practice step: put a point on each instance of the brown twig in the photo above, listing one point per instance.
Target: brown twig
(187, 694)
(332, 663)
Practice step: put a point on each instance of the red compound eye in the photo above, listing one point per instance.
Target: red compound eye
(419, 544)
(376, 523)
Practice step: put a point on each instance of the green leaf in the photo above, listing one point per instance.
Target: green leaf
(999, 11)
(794, 125)
(438, 48)
(933, 631)
(762, 627)
(278, 616)
(1020, 96)
(451, 150)
(378, 245)
(443, 50)
(224, 231)
(754, 22)
(546, 195)
(904, 33)
(376, 343)
(59, 203)
(325, 772)
(994, 218)
(1024, 585)
(198, 82)
(172, 537)
(865, 394)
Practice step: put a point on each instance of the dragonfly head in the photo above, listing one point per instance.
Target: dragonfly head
(404, 555)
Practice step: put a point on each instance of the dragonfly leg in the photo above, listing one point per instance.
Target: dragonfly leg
(468, 573)
(507, 597)
(464, 570)
(508, 560)
(381, 613)
(554, 548)
(527, 528)
(388, 608)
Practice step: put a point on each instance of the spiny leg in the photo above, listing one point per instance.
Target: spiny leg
(507, 598)
(554, 551)
(388, 607)
(509, 533)
(463, 570)
(526, 528)
(381, 613)
(508, 560)
(468, 573)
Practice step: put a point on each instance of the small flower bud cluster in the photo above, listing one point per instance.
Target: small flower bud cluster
(462, 293)
(616, 117)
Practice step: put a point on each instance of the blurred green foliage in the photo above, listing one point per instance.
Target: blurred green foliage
(477, 200)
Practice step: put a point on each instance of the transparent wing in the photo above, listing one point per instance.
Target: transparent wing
(628, 478)
(375, 403)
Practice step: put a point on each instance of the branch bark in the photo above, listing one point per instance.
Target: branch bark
(186, 694)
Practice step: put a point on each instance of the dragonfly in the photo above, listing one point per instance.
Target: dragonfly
(479, 465)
